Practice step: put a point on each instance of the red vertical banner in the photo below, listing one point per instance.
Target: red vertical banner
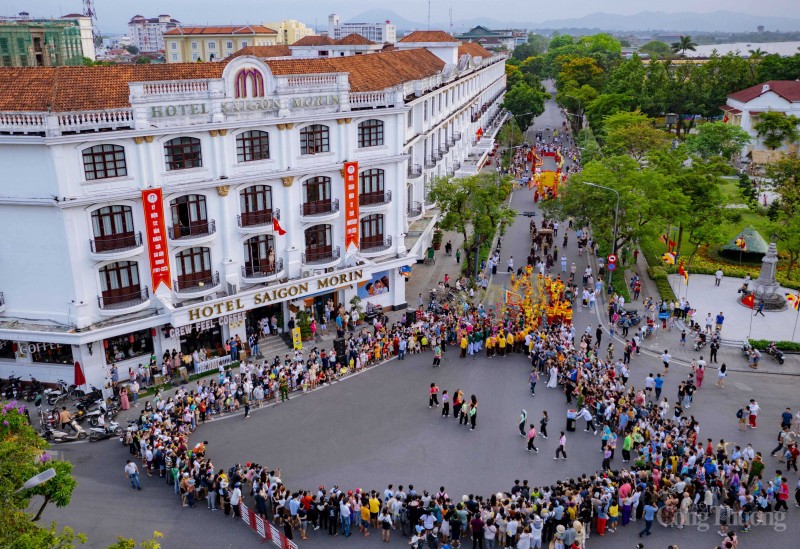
(351, 206)
(153, 204)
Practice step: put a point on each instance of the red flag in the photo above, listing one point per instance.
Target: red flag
(277, 227)
(80, 379)
(749, 300)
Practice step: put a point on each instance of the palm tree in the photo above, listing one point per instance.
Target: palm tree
(757, 54)
(684, 44)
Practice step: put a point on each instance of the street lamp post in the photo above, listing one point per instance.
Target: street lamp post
(35, 481)
(616, 213)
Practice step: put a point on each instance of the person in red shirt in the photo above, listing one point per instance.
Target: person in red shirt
(434, 398)
(792, 461)
(783, 495)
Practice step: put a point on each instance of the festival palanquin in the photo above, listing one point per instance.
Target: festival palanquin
(536, 300)
(545, 183)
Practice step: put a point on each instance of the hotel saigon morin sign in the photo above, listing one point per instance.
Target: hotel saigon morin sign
(275, 294)
(249, 94)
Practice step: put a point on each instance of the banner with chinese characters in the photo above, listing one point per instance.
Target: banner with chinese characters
(156, 238)
(351, 206)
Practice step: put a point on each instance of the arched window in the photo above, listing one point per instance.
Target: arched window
(371, 187)
(193, 267)
(104, 161)
(252, 145)
(315, 139)
(183, 153)
(119, 282)
(370, 133)
(259, 255)
(371, 231)
(317, 195)
(255, 203)
(189, 216)
(112, 227)
(319, 243)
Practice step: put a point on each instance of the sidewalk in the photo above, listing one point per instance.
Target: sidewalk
(729, 353)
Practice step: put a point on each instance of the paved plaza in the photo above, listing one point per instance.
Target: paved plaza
(376, 428)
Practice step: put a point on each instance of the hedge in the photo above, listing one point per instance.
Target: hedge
(658, 274)
(762, 344)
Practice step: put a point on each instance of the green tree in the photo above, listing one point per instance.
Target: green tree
(776, 128)
(22, 456)
(657, 49)
(785, 176)
(525, 103)
(714, 80)
(647, 199)
(532, 70)
(683, 45)
(511, 135)
(717, 139)
(581, 71)
(473, 206)
(126, 543)
(513, 76)
(133, 50)
(775, 67)
(632, 134)
(142, 60)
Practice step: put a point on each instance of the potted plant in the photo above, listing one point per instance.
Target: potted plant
(304, 323)
(437, 239)
(356, 310)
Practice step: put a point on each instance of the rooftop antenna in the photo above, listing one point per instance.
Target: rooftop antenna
(451, 20)
(429, 14)
(88, 11)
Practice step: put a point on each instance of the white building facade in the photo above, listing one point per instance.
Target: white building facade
(743, 108)
(216, 195)
(148, 33)
(382, 33)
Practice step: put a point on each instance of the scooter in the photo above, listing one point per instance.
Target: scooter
(35, 388)
(55, 396)
(775, 353)
(101, 433)
(59, 436)
(12, 387)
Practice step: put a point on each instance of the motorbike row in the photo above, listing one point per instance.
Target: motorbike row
(89, 406)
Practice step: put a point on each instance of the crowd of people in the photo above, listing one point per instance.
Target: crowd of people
(668, 472)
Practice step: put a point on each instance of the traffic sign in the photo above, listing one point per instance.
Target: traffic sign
(611, 266)
(612, 258)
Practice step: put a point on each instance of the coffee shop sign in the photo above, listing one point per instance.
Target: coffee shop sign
(297, 290)
(243, 105)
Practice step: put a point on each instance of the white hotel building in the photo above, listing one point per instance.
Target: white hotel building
(231, 147)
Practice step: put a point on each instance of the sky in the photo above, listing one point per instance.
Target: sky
(113, 15)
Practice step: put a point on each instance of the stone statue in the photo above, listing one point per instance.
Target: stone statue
(765, 288)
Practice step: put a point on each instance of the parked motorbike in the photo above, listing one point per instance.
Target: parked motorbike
(58, 436)
(12, 387)
(101, 433)
(35, 388)
(632, 316)
(54, 396)
(773, 351)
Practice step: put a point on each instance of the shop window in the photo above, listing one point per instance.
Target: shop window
(8, 349)
(49, 353)
(128, 346)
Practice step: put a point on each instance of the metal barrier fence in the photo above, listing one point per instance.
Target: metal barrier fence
(265, 530)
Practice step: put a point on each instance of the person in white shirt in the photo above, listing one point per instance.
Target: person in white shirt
(717, 277)
(132, 472)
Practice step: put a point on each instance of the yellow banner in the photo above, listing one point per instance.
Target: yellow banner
(297, 339)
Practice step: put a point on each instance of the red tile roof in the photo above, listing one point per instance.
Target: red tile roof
(788, 89)
(473, 49)
(314, 41)
(428, 36)
(81, 88)
(262, 52)
(232, 29)
(355, 39)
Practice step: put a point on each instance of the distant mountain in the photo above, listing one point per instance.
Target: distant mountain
(717, 21)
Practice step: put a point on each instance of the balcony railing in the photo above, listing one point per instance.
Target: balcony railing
(116, 244)
(320, 207)
(438, 154)
(376, 245)
(256, 219)
(430, 162)
(457, 136)
(415, 170)
(315, 257)
(124, 300)
(192, 283)
(261, 271)
(451, 141)
(456, 165)
(414, 209)
(177, 232)
(374, 199)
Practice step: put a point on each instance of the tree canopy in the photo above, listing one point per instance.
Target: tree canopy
(776, 128)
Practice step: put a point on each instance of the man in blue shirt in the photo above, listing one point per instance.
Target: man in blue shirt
(649, 515)
(786, 418)
(659, 383)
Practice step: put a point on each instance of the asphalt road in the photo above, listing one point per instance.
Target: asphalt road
(376, 428)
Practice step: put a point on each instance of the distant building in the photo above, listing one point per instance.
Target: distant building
(494, 39)
(148, 34)
(290, 31)
(381, 33)
(26, 42)
(742, 109)
(186, 44)
(323, 46)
